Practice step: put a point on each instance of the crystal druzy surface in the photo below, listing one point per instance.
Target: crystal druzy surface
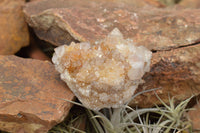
(104, 74)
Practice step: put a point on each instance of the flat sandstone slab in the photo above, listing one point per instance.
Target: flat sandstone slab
(29, 95)
(60, 22)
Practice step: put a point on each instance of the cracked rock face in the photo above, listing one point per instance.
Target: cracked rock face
(176, 72)
(105, 74)
(62, 21)
(30, 93)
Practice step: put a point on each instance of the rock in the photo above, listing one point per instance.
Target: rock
(61, 22)
(190, 3)
(169, 2)
(34, 50)
(37, 49)
(154, 3)
(171, 33)
(31, 94)
(58, 34)
(177, 72)
(36, 53)
(13, 32)
(105, 74)
(194, 116)
(33, 0)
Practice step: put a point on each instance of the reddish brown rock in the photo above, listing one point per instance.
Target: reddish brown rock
(194, 116)
(33, 0)
(13, 32)
(36, 53)
(155, 3)
(34, 50)
(190, 3)
(61, 22)
(171, 33)
(58, 34)
(30, 95)
(177, 72)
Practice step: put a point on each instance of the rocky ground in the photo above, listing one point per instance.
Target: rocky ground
(31, 91)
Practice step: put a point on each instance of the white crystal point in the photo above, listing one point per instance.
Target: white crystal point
(116, 32)
(105, 74)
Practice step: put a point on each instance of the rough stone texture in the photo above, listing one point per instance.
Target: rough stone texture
(170, 33)
(29, 95)
(156, 29)
(194, 116)
(177, 72)
(190, 3)
(55, 32)
(13, 32)
(105, 74)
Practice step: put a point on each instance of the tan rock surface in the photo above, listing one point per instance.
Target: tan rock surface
(29, 95)
(157, 29)
(13, 28)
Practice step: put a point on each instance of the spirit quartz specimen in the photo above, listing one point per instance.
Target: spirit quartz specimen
(105, 74)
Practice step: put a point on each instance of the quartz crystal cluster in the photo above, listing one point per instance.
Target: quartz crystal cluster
(104, 74)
